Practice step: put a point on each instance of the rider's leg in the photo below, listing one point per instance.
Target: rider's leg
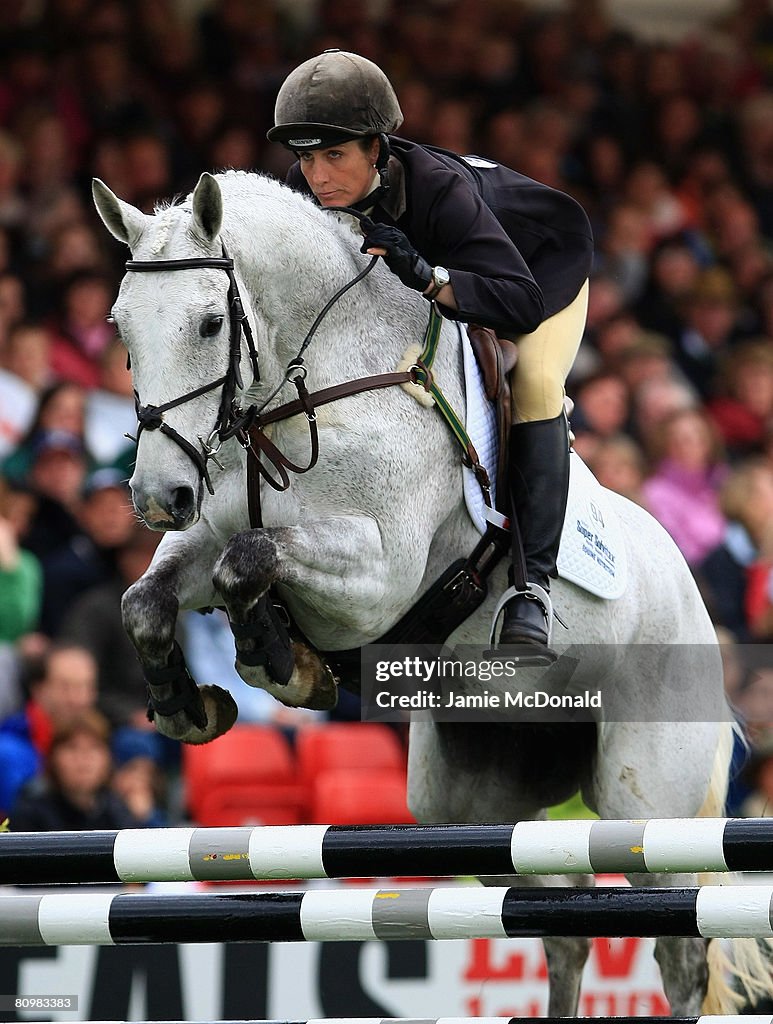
(539, 483)
(539, 459)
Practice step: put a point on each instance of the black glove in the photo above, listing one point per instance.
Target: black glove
(401, 258)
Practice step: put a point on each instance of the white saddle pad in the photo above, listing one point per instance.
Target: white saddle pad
(592, 551)
(481, 425)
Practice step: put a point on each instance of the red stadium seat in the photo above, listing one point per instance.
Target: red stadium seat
(360, 797)
(250, 765)
(355, 746)
(229, 806)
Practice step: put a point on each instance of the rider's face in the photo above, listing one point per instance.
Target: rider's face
(340, 175)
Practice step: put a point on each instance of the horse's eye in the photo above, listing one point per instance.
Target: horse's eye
(210, 326)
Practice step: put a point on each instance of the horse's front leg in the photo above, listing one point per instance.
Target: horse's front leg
(266, 657)
(335, 570)
(180, 574)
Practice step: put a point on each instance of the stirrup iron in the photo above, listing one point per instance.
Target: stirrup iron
(526, 654)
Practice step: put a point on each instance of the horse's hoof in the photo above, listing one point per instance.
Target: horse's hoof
(321, 688)
(312, 684)
(221, 712)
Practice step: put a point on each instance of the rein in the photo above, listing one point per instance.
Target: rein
(420, 374)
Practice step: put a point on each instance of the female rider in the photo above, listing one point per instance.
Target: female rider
(487, 244)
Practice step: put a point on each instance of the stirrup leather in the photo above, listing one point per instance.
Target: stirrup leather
(533, 654)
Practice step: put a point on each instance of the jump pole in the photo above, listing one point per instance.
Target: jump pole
(688, 845)
(452, 912)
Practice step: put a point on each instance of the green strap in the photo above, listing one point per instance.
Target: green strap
(424, 375)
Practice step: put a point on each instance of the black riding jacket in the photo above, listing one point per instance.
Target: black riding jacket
(517, 251)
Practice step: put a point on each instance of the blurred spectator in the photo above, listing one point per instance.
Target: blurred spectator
(24, 370)
(619, 464)
(81, 333)
(682, 492)
(148, 162)
(603, 181)
(746, 501)
(233, 147)
(94, 621)
(201, 109)
(648, 358)
(21, 579)
(758, 776)
(27, 355)
(110, 412)
(756, 137)
(743, 408)
(452, 125)
(30, 83)
(416, 103)
(623, 249)
(65, 687)
(13, 207)
(89, 557)
(710, 310)
(755, 704)
(605, 300)
(674, 272)
(613, 337)
(59, 408)
(648, 190)
(50, 161)
(74, 792)
(117, 97)
(56, 474)
(13, 303)
(601, 407)
(732, 223)
(137, 777)
(72, 248)
(678, 129)
(654, 400)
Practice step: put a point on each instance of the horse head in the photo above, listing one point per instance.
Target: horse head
(180, 316)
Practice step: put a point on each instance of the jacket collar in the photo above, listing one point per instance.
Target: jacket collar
(394, 202)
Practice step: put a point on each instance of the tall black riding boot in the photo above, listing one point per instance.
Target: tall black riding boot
(539, 485)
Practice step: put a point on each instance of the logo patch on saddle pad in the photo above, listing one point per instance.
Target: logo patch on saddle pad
(592, 552)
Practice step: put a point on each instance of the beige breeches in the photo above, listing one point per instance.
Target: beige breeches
(545, 358)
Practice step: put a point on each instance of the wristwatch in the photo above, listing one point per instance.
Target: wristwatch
(440, 278)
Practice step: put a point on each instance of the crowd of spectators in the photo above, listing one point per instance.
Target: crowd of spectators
(668, 146)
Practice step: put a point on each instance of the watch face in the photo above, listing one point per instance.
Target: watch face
(441, 276)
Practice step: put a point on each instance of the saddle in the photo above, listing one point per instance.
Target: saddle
(496, 358)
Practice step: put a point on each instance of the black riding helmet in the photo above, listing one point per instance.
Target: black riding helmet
(333, 98)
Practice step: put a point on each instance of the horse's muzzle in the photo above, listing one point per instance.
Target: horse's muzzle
(176, 510)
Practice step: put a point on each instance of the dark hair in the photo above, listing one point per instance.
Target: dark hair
(47, 395)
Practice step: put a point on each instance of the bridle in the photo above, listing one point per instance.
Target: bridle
(231, 419)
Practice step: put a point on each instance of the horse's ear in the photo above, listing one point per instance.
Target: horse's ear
(121, 219)
(207, 207)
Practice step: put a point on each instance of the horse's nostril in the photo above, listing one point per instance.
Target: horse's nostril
(183, 502)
